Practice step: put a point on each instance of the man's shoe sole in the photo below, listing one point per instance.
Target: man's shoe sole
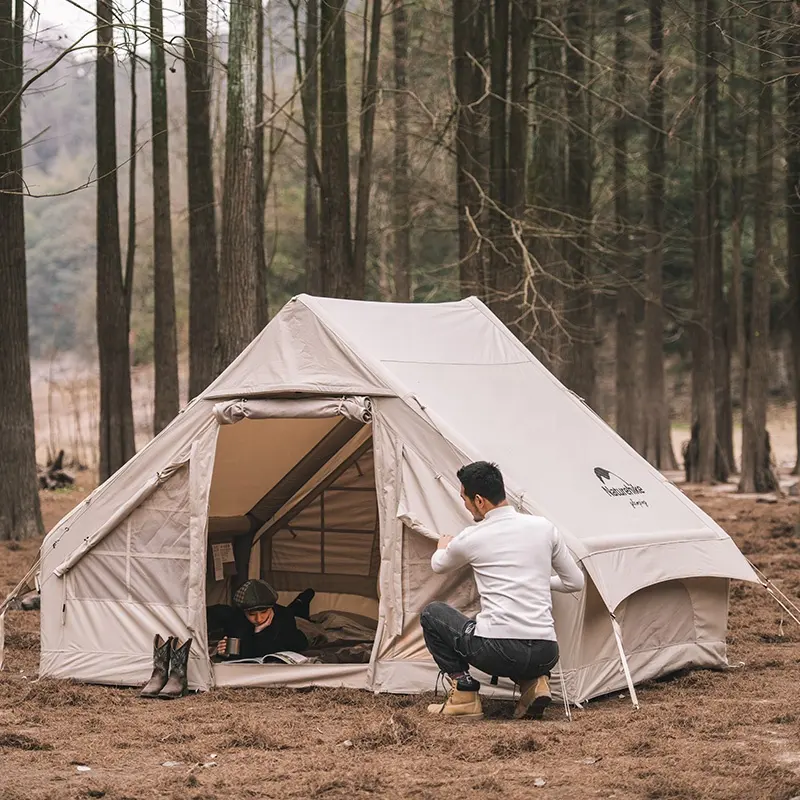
(535, 708)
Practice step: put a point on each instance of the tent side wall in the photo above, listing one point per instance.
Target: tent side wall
(146, 576)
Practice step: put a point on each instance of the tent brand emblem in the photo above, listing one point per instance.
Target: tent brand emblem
(615, 486)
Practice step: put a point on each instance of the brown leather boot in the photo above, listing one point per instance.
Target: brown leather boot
(458, 703)
(161, 653)
(178, 666)
(534, 697)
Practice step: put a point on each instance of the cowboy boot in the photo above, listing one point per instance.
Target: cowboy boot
(161, 653)
(534, 696)
(178, 665)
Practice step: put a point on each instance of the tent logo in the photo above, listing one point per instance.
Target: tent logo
(616, 486)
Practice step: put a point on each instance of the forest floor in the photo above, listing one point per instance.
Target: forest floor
(700, 734)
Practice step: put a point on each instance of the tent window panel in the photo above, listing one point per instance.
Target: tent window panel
(351, 510)
(348, 553)
(98, 577)
(299, 551)
(168, 534)
(309, 517)
(157, 581)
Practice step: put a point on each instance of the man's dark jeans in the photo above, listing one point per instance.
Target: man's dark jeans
(450, 637)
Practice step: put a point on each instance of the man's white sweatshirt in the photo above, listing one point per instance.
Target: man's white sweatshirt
(513, 557)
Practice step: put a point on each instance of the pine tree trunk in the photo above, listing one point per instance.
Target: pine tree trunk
(469, 37)
(502, 279)
(518, 125)
(262, 299)
(627, 407)
(368, 106)
(580, 368)
(739, 128)
(116, 412)
(547, 190)
(165, 336)
(701, 467)
(336, 247)
(20, 515)
(401, 194)
(130, 254)
(793, 197)
(757, 474)
(657, 441)
(723, 460)
(239, 257)
(310, 97)
(203, 278)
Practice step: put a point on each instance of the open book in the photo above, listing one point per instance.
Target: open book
(284, 657)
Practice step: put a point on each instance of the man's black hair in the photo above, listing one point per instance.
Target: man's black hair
(484, 479)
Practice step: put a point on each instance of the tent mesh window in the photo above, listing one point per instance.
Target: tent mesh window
(146, 558)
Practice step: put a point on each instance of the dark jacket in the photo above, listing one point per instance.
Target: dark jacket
(281, 634)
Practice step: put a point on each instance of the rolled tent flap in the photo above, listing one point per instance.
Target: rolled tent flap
(146, 489)
(357, 409)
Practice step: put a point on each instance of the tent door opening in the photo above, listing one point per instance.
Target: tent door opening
(293, 502)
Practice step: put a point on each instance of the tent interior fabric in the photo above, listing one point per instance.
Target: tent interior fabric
(325, 457)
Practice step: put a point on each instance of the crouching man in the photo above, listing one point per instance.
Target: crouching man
(513, 557)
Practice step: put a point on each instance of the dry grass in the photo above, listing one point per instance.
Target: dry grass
(700, 735)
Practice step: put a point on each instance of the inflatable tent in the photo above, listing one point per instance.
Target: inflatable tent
(325, 456)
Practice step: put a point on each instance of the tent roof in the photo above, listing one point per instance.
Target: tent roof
(459, 366)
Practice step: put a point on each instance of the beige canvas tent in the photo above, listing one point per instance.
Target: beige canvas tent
(325, 456)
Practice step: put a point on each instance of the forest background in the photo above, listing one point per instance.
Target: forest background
(618, 182)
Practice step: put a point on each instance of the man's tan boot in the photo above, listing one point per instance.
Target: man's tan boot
(464, 705)
(534, 697)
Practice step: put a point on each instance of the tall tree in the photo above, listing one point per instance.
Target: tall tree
(165, 335)
(793, 196)
(262, 300)
(401, 191)
(757, 474)
(237, 320)
(20, 515)
(547, 188)
(310, 100)
(130, 254)
(701, 457)
(657, 441)
(336, 247)
(502, 283)
(739, 128)
(580, 368)
(469, 45)
(515, 189)
(364, 178)
(116, 412)
(626, 347)
(202, 219)
(723, 410)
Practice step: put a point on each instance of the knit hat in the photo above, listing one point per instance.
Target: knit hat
(255, 595)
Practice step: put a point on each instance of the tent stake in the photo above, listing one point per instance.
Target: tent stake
(624, 660)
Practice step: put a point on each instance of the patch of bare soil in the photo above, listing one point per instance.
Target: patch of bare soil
(702, 734)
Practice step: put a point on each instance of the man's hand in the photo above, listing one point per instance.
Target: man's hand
(444, 541)
(222, 645)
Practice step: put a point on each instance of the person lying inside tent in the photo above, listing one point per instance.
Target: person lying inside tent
(261, 624)
(513, 557)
